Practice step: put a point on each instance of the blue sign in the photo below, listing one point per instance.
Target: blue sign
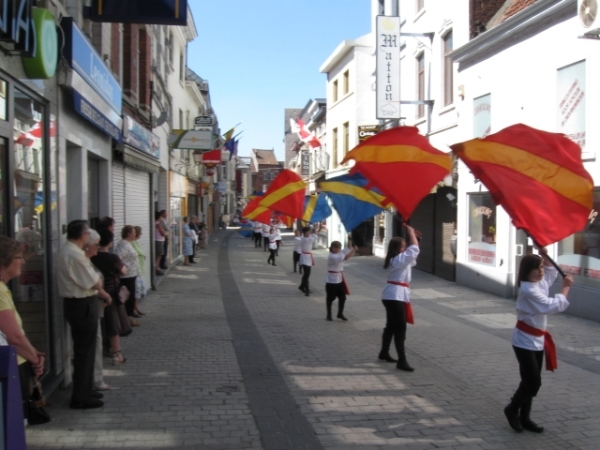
(84, 59)
(139, 137)
(87, 110)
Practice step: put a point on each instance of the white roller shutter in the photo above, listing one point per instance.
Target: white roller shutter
(118, 197)
(137, 211)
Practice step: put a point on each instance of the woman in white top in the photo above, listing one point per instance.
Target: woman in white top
(272, 236)
(297, 250)
(306, 258)
(396, 296)
(266, 230)
(530, 338)
(335, 285)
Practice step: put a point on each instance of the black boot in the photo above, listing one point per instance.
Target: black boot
(512, 413)
(340, 314)
(329, 303)
(386, 340)
(526, 422)
(402, 364)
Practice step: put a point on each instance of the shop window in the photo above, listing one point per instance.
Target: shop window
(3, 103)
(420, 84)
(579, 254)
(482, 230)
(335, 91)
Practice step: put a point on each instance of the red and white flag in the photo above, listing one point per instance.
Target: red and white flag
(300, 129)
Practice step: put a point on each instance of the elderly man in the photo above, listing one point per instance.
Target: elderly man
(78, 284)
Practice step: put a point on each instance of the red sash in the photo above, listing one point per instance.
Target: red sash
(311, 257)
(410, 318)
(549, 347)
(346, 289)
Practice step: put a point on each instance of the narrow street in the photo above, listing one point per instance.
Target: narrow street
(231, 355)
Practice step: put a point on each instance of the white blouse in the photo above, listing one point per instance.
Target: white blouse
(400, 270)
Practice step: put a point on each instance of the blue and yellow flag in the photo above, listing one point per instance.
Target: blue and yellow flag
(353, 199)
(316, 208)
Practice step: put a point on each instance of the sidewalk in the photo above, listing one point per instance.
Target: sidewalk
(231, 355)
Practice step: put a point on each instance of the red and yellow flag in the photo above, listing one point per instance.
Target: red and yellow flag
(536, 176)
(285, 194)
(402, 164)
(254, 211)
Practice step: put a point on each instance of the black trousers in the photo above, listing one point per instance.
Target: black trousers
(256, 237)
(82, 316)
(25, 376)
(163, 258)
(272, 254)
(265, 242)
(333, 291)
(530, 369)
(305, 276)
(129, 283)
(395, 324)
(296, 260)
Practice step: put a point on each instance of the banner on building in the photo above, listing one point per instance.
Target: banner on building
(367, 131)
(388, 67)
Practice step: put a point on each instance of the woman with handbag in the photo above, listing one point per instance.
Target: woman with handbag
(129, 256)
(31, 362)
(115, 316)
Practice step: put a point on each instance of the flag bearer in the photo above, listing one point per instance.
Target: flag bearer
(335, 284)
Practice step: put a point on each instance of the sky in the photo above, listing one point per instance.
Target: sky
(263, 56)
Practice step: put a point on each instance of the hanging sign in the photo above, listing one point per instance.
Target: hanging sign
(387, 78)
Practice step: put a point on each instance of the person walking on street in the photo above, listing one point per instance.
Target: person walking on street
(297, 250)
(395, 297)
(272, 246)
(78, 284)
(266, 230)
(530, 338)
(257, 233)
(306, 258)
(335, 284)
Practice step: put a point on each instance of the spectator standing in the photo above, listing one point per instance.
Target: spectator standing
(78, 283)
(129, 256)
(167, 234)
(31, 362)
(188, 242)
(140, 286)
(203, 235)
(196, 230)
(160, 236)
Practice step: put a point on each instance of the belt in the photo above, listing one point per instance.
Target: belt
(549, 347)
(398, 283)
(80, 298)
(311, 257)
(346, 289)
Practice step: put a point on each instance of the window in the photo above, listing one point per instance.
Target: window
(334, 137)
(579, 254)
(346, 142)
(482, 230)
(448, 70)
(3, 104)
(421, 84)
(181, 66)
(346, 86)
(420, 5)
(335, 91)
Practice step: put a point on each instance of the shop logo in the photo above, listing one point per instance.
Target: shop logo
(43, 64)
(16, 25)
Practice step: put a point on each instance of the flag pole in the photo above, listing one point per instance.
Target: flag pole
(550, 260)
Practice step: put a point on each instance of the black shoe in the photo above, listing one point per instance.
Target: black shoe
(306, 292)
(274, 264)
(403, 365)
(386, 358)
(341, 316)
(329, 317)
(87, 404)
(530, 425)
(513, 419)
(302, 288)
(98, 395)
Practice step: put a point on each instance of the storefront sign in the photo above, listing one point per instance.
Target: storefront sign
(84, 59)
(482, 253)
(158, 12)
(305, 169)
(43, 64)
(87, 110)
(200, 139)
(17, 26)
(571, 103)
(140, 138)
(204, 121)
(366, 131)
(387, 77)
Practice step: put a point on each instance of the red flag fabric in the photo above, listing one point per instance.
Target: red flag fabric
(285, 194)
(402, 164)
(254, 211)
(304, 134)
(536, 176)
(211, 157)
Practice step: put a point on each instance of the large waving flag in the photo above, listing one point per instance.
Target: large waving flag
(352, 199)
(254, 211)
(316, 208)
(285, 194)
(538, 178)
(402, 165)
(304, 134)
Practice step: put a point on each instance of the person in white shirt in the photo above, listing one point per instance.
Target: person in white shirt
(335, 284)
(297, 250)
(395, 297)
(257, 233)
(306, 258)
(277, 240)
(530, 338)
(272, 246)
(265, 230)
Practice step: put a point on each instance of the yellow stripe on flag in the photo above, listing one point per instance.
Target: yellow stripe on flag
(399, 154)
(257, 212)
(282, 192)
(556, 177)
(359, 193)
(310, 207)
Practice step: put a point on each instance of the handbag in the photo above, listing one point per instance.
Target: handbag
(36, 413)
(123, 294)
